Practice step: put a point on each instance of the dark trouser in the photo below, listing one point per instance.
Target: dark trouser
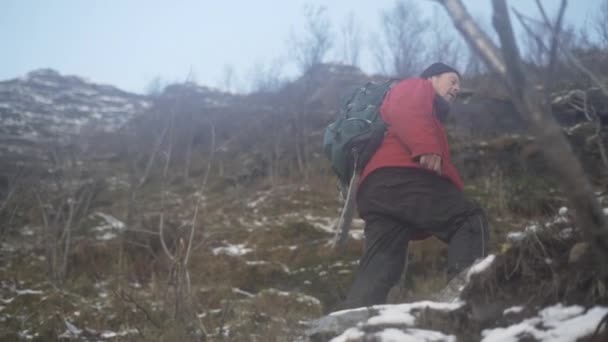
(401, 204)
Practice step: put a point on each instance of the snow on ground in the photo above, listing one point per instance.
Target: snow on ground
(108, 230)
(481, 266)
(553, 324)
(413, 335)
(73, 332)
(515, 236)
(557, 323)
(243, 292)
(254, 204)
(399, 314)
(513, 310)
(299, 297)
(560, 220)
(392, 316)
(326, 224)
(232, 250)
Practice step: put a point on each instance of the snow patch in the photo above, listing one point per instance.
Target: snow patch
(391, 317)
(515, 236)
(256, 202)
(553, 324)
(232, 250)
(533, 228)
(326, 224)
(480, 266)
(112, 334)
(513, 310)
(28, 291)
(566, 233)
(357, 234)
(27, 231)
(242, 292)
(108, 230)
(414, 335)
(349, 335)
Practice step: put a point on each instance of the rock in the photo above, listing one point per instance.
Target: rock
(336, 323)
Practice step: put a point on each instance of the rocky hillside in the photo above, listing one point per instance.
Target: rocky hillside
(45, 104)
(202, 215)
(44, 108)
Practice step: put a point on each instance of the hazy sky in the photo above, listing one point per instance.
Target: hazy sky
(127, 43)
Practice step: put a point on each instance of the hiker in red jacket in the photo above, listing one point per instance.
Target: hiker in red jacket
(410, 189)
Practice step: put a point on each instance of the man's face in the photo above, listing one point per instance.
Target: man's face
(447, 85)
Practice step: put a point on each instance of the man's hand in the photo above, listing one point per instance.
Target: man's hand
(431, 162)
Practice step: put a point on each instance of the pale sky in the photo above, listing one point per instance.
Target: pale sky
(126, 43)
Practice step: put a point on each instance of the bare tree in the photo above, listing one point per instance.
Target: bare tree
(228, 78)
(180, 256)
(8, 188)
(601, 23)
(267, 78)
(351, 40)
(534, 106)
(565, 47)
(64, 205)
(310, 47)
(156, 86)
(534, 44)
(445, 46)
(400, 47)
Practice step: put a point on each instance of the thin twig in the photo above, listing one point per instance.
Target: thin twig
(555, 34)
(201, 192)
(569, 55)
(128, 298)
(67, 242)
(8, 197)
(163, 195)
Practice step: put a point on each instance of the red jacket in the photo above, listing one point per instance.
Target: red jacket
(413, 130)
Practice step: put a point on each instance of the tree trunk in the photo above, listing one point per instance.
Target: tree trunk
(530, 103)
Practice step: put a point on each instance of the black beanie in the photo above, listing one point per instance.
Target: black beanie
(437, 69)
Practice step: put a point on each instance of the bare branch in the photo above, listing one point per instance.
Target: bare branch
(212, 155)
(159, 141)
(592, 116)
(310, 47)
(68, 234)
(556, 150)
(351, 40)
(161, 224)
(128, 298)
(601, 23)
(198, 202)
(541, 9)
(477, 39)
(8, 197)
(398, 48)
(510, 50)
(576, 62)
(554, 41)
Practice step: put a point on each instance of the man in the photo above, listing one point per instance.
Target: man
(410, 189)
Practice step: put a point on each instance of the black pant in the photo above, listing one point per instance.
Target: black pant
(399, 204)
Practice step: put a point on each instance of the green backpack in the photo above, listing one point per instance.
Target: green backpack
(350, 141)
